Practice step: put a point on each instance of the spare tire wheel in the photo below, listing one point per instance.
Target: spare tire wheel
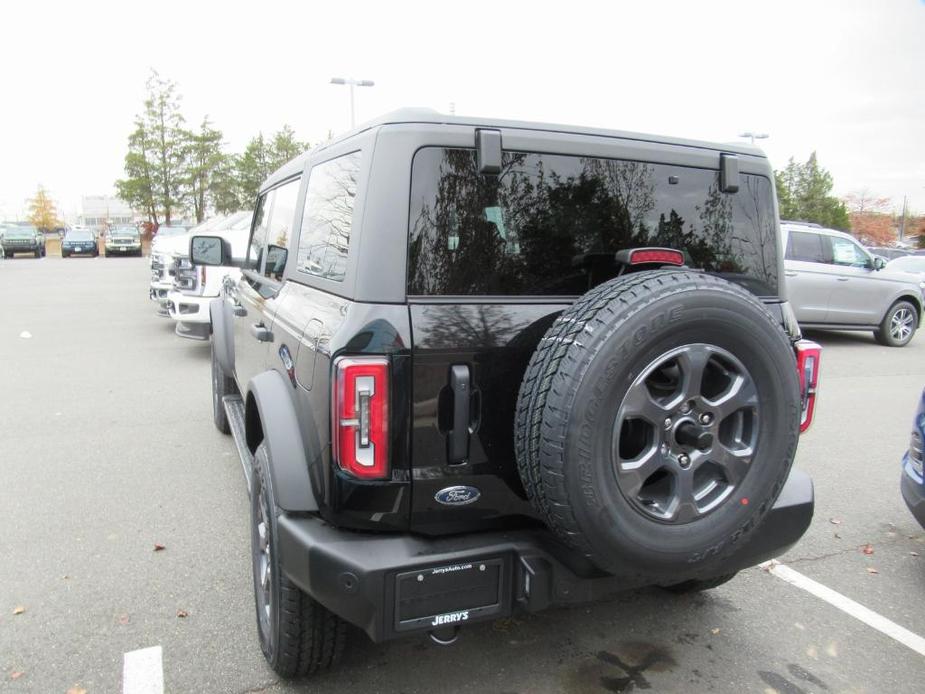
(657, 422)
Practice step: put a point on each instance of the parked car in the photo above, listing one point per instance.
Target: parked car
(913, 481)
(79, 242)
(195, 286)
(23, 238)
(123, 241)
(399, 482)
(833, 282)
(914, 264)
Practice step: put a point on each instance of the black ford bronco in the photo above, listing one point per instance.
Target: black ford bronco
(478, 366)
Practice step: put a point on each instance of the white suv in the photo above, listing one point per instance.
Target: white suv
(833, 282)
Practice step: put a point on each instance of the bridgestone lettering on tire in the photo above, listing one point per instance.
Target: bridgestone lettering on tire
(657, 422)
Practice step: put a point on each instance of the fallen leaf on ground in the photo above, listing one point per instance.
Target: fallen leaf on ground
(158, 547)
(123, 619)
(837, 536)
(868, 549)
(913, 554)
(834, 521)
(872, 570)
(76, 690)
(182, 613)
(714, 631)
(16, 674)
(19, 610)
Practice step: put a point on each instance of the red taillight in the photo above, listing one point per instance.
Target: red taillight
(360, 414)
(809, 355)
(651, 256)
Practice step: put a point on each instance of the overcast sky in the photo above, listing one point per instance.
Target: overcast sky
(842, 78)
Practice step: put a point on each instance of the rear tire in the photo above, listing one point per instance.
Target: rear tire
(298, 636)
(657, 423)
(898, 326)
(222, 385)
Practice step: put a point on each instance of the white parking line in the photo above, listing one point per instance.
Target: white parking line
(848, 606)
(142, 672)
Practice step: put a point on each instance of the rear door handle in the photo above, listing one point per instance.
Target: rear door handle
(261, 332)
(791, 274)
(842, 279)
(461, 387)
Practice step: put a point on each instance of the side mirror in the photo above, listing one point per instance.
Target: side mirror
(209, 250)
(276, 261)
(879, 263)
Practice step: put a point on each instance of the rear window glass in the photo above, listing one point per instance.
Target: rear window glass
(551, 224)
(328, 217)
(806, 247)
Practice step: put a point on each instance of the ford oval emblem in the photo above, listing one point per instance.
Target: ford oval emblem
(457, 496)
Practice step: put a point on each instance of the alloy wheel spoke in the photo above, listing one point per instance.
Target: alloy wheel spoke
(735, 463)
(684, 506)
(640, 403)
(741, 394)
(693, 362)
(634, 473)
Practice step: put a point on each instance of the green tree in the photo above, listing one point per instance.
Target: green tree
(224, 189)
(203, 160)
(42, 212)
(262, 157)
(285, 147)
(155, 162)
(253, 167)
(804, 192)
(137, 188)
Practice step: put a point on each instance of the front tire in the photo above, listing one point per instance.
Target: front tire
(898, 325)
(298, 636)
(222, 385)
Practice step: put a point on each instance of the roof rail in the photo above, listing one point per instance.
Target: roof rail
(801, 222)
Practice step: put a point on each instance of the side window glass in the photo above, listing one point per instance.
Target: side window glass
(259, 232)
(805, 247)
(279, 228)
(328, 217)
(847, 253)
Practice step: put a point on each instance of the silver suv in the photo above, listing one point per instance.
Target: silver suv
(833, 282)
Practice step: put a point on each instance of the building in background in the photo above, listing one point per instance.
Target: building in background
(100, 211)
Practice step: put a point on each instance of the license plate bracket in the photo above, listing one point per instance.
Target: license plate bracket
(435, 597)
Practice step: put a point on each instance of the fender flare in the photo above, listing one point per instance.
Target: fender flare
(222, 334)
(289, 471)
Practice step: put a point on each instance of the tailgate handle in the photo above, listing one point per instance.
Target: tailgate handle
(461, 387)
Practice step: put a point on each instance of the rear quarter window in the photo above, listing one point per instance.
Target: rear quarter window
(327, 219)
(550, 224)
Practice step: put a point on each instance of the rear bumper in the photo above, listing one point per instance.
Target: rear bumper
(914, 495)
(360, 576)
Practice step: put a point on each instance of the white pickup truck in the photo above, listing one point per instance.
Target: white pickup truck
(194, 286)
(168, 242)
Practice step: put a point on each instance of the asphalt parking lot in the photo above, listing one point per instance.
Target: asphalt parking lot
(107, 448)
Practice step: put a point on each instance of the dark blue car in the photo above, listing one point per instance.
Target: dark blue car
(79, 242)
(912, 485)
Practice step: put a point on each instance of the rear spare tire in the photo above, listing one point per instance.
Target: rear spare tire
(657, 423)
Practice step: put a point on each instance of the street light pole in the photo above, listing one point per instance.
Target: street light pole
(752, 136)
(352, 83)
